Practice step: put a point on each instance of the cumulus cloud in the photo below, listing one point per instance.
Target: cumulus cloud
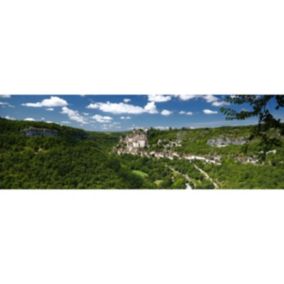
(9, 117)
(209, 111)
(215, 100)
(116, 108)
(211, 99)
(207, 98)
(102, 119)
(124, 108)
(29, 119)
(159, 98)
(125, 117)
(166, 112)
(73, 115)
(50, 109)
(187, 97)
(150, 108)
(220, 103)
(4, 104)
(53, 101)
(186, 112)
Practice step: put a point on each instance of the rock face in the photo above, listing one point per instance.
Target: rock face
(226, 141)
(133, 143)
(40, 132)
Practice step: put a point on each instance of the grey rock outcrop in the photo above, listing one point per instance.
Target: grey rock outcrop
(226, 141)
(40, 132)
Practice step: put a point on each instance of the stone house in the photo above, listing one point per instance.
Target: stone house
(133, 142)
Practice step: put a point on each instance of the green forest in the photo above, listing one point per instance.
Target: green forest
(78, 159)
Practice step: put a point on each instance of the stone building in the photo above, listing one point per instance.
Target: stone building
(133, 142)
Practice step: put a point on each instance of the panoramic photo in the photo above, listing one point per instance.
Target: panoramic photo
(141, 141)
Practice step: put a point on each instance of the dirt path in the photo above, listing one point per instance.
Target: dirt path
(188, 179)
(207, 176)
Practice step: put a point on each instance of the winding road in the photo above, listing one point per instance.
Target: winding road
(207, 176)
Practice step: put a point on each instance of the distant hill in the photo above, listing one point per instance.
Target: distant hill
(72, 158)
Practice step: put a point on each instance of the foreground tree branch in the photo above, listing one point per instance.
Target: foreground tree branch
(268, 128)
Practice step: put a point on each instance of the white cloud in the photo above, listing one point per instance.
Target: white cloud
(150, 108)
(121, 108)
(73, 115)
(211, 99)
(186, 112)
(209, 111)
(4, 104)
(9, 117)
(207, 98)
(214, 100)
(127, 100)
(220, 103)
(49, 103)
(125, 117)
(50, 109)
(187, 97)
(116, 108)
(29, 119)
(159, 98)
(5, 96)
(166, 112)
(161, 127)
(102, 119)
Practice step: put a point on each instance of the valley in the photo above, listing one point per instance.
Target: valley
(49, 156)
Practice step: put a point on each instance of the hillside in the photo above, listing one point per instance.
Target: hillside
(71, 158)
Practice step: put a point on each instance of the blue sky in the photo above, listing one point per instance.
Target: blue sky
(122, 112)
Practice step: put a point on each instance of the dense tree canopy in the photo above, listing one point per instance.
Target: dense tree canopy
(269, 128)
(76, 159)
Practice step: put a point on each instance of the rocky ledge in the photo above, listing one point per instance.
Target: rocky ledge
(226, 141)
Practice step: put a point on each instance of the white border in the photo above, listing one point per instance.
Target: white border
(141, 237)
(151, 46)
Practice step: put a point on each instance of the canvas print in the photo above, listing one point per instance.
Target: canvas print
(168, 141)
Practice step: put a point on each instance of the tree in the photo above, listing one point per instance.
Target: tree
(268, 128)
